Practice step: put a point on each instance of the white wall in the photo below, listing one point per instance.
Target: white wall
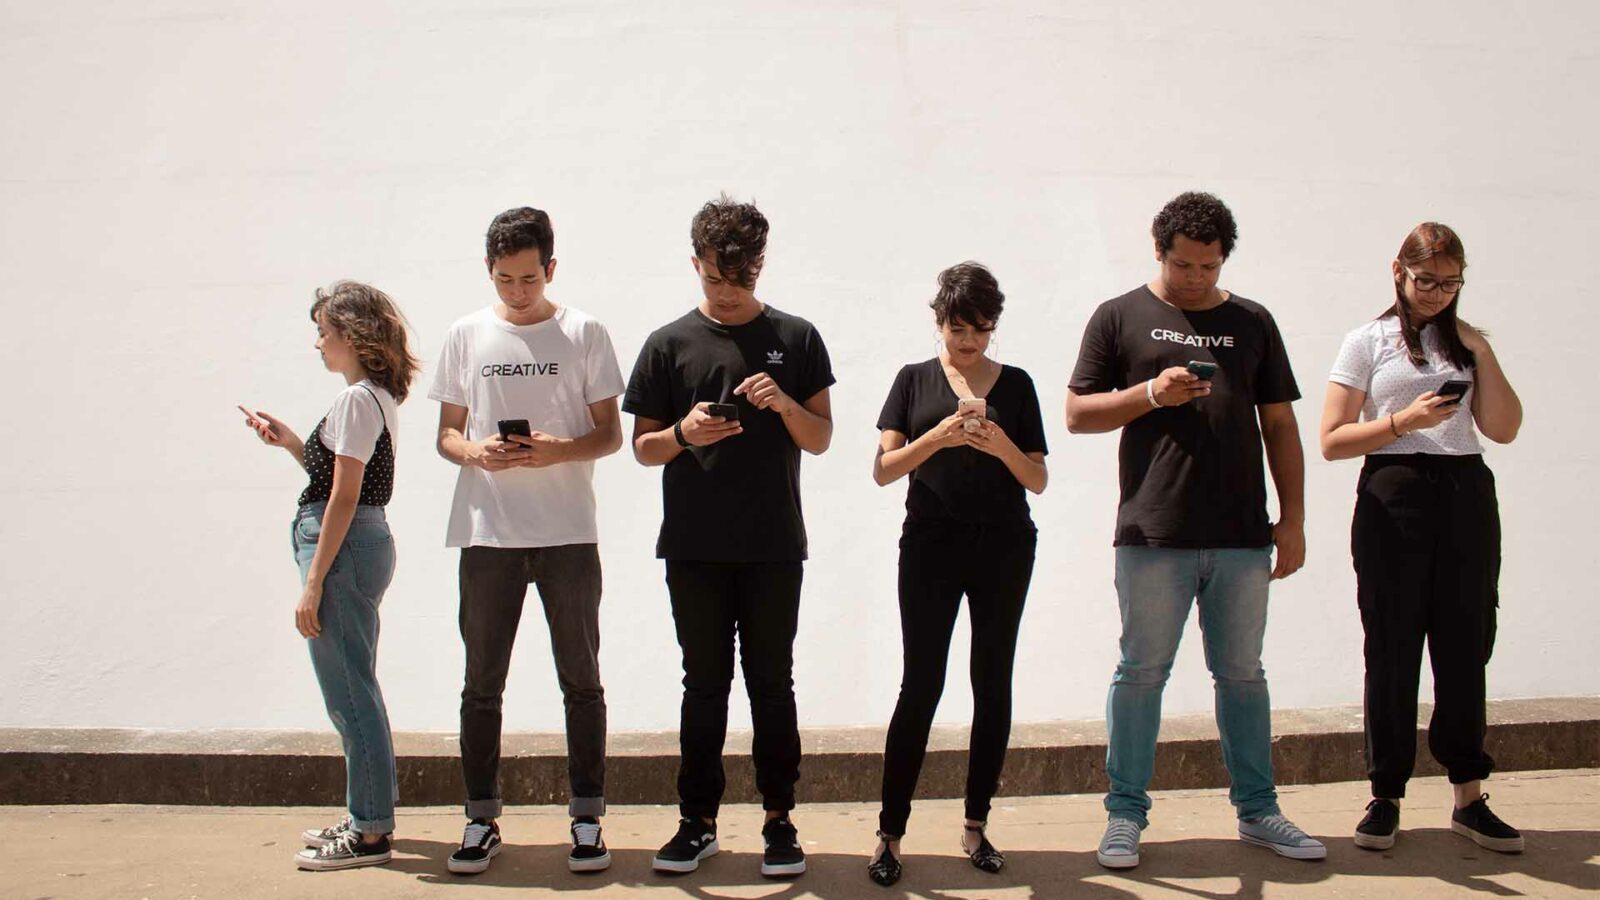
(176, 176)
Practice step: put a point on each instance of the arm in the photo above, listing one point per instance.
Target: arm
(602, 440)
(1345, 437)
(493, 455)
(1110, 410)
(655, 444)
(1027, 468)
(1280, 433)
(896, 458)
(810, 424)
(274, 433)
(1495, 406)
(347, 473)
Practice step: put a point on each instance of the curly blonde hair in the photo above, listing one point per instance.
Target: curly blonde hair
(373, 325)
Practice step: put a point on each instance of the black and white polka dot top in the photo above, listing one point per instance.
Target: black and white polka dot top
(377, 481)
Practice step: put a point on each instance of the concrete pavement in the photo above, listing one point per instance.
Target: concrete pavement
(70, 852)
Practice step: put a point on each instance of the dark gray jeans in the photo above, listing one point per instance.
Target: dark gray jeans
(494, 583)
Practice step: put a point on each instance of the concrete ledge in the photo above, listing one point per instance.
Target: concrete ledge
(257, 768)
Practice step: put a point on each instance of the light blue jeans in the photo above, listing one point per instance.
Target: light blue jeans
(345, 657)
(1155, 589)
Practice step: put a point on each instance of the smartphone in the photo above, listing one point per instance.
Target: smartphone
(728, 411)
(1453, 388)
(508, 427)
(980, 409)
(1205, 371)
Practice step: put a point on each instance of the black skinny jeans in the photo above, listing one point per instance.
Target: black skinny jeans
(761, 603)
(939, 562)
(1426, 545)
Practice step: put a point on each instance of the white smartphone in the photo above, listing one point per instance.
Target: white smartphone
(979, 409)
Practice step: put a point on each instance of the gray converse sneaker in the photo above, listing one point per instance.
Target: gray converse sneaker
(1119, 846)
(1281, 837)
(316, 837)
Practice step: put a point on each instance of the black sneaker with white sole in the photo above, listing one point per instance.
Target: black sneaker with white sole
(347, 851)
(1379, 826)
(694, 841)
(316, 837)
(480, 843)
(589, 853)
(782, 857)
(1476, 821)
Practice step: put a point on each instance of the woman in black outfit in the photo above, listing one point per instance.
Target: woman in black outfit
(967, 531)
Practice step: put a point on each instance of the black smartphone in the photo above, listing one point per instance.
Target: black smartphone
(729, 411)
(1204, 370)
(1453, 388)
(508, 427)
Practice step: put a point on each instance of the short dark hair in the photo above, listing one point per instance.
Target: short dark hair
(738, 234)
(969, 293)
(1197, 216)
(516, 230)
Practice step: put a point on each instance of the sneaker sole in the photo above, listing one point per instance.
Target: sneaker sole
(783, 870)
(473, 866)
(1117, 860)
(680, 866)
(1288, 852)
(356, 862)
(1498, 845)
(590, 864)
(1374, 841)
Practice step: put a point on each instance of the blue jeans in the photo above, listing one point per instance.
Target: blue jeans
(1155, 588)
(345, 656)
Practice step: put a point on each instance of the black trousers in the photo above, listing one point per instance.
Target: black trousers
(760, 602)
(938, 564)
(1426, 545)
(494, 583)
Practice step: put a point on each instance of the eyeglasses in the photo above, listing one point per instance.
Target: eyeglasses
(1426, 282)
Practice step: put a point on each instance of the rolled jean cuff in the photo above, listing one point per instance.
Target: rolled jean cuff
(586, 806)
(488, 808)
(373, 826)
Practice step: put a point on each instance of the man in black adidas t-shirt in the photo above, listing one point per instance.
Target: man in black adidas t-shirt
(725, 398)
(1192, 523)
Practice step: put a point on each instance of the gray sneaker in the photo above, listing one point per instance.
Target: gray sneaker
(1280, 835)
(316, 837)
(1119, 846)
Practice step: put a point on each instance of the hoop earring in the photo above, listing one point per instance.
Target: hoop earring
(993, 350)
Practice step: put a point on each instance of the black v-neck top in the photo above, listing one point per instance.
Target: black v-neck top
(964, 484)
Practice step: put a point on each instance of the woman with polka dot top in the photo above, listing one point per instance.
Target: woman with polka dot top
(1411, 391)
(346, 554)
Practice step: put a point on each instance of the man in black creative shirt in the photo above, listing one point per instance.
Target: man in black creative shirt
(725, 398)
(1187, 371)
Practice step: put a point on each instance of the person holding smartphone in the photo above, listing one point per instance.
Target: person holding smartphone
(1410, 392)
(968, 432)
(346, 553)
(725, 398)
(1192, 525)
(527, 395)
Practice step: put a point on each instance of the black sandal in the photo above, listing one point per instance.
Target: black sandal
(885, 869)
(985, 857)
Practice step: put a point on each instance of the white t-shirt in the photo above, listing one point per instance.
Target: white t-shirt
(547, 373)
(1374, 359)
(354, 422)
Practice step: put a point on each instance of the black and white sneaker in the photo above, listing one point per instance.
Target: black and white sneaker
(783, 857)
(344, 852)
(1485, 828)
(694, 841)
(589, 853)
(479, 844)
(1379, 826)
(316, 837)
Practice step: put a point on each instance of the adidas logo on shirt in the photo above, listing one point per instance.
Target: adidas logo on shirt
(774, 357)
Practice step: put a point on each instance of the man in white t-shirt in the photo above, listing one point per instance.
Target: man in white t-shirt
(524, 512)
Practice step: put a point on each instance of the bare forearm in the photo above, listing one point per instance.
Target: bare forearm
(1354, 439)
(1286, 459)
(656, 448)
(597, 443)
(452, 445)
(297, 449)
(1029, 472)
(1108, 411)
(1495, 407)
(810, 432)
(892, 465)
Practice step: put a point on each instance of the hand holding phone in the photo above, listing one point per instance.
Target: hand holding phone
(509, 427)
(974, 409)
(1205, 371)
(1454, 390)
(727, 411)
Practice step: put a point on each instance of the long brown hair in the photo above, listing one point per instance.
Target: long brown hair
(370, 321)
(1426, 241)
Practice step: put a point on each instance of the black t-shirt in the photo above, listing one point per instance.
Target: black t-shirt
(737, 500)
(1191, 475)
(964, 484)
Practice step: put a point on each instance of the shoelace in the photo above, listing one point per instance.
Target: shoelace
(1281, 826)
(586, 833)
(333, 831)
(477, 835)
(1122, 834)
(344, 844)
